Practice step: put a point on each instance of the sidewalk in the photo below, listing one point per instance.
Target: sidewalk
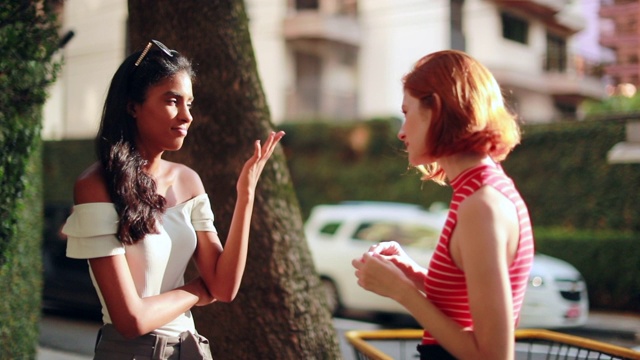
(53, 354)
(66, 338)
(622, 323)
(622, 328)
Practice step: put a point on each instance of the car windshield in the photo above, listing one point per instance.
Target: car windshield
(330, 228)
(406, 234)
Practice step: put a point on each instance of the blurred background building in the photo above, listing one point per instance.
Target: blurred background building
(620, 31)
(344, 59)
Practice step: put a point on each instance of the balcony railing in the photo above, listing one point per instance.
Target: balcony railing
(618, 40)
(535, 7)
(616, 8)
(327, 105)
(623, 71)
(316, 25)
(570, 76)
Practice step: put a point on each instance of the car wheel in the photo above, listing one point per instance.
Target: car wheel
(331, 294)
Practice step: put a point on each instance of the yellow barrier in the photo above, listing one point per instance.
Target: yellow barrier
(530, 344)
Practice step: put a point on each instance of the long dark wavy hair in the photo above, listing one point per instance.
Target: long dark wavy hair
(132, 190)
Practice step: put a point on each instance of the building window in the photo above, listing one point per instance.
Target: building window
(556, 59)
(616, 80)
(348, 7)
(307, 4)
(308, 96)
(457, 31)
(628, 25)
(514, 28)
(566, 111)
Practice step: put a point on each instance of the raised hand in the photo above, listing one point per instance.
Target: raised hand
(252, 169)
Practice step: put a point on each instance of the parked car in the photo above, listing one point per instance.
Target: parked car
(556, 296)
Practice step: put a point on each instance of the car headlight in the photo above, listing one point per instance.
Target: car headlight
(536, 281)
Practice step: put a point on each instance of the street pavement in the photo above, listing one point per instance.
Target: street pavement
(71, 339)
(62, 338)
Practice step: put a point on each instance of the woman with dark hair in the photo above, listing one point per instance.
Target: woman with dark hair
(140, 219)
(457, 129)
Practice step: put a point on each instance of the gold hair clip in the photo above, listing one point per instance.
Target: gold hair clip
(160, 46)
(144, 53)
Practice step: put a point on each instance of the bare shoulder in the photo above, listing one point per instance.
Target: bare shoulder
(487, 202)
(90, 186)
(488, 216)
(187, 183)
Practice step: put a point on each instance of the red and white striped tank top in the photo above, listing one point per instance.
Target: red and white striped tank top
(445, 284)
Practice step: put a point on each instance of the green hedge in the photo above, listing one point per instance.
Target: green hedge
(28, 39)
(63, 161)
(563, 174)
(330, 163)
(608, 260)
(21, 274)
(560, 169)
(582, 208)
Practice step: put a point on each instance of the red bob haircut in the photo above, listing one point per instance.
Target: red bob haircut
(470, 116)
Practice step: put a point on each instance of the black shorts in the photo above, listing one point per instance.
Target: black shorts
(434, 352)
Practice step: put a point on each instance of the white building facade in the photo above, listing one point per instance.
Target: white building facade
(344, 59)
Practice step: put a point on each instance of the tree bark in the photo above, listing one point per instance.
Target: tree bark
(280, 311)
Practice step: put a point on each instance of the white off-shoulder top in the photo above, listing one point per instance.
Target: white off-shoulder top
(157, 262)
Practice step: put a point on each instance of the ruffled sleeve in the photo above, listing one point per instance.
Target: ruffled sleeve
(91, 231)
(202, 215)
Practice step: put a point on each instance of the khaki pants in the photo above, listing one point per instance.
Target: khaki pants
(113, 346)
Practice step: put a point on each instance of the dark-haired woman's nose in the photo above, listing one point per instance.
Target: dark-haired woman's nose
(185, 114)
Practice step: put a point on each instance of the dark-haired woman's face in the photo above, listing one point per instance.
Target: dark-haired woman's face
(415, 127)
(163, 119)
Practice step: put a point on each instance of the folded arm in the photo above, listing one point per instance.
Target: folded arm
(133, 315)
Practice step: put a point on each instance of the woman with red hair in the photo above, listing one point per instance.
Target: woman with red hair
(458, 130)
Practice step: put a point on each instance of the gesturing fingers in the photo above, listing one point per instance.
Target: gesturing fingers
(254, 166)
(269, 145)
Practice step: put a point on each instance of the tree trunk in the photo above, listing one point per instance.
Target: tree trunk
(280, 311)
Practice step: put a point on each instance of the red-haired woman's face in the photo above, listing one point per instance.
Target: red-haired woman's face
(413, 132)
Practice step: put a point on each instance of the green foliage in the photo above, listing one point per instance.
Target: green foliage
(584, 210)
(609, 261)
(617, 104)
(28, 39)
(560, 169)
(562, 172)
(330, 163)
(63, 161)
(21, 275)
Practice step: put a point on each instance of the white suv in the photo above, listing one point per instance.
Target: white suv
(556, 296)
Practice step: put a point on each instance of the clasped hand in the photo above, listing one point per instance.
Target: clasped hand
(385, 269)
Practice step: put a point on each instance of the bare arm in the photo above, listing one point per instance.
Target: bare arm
(479, 246)
(222, 269)
(131, 314)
